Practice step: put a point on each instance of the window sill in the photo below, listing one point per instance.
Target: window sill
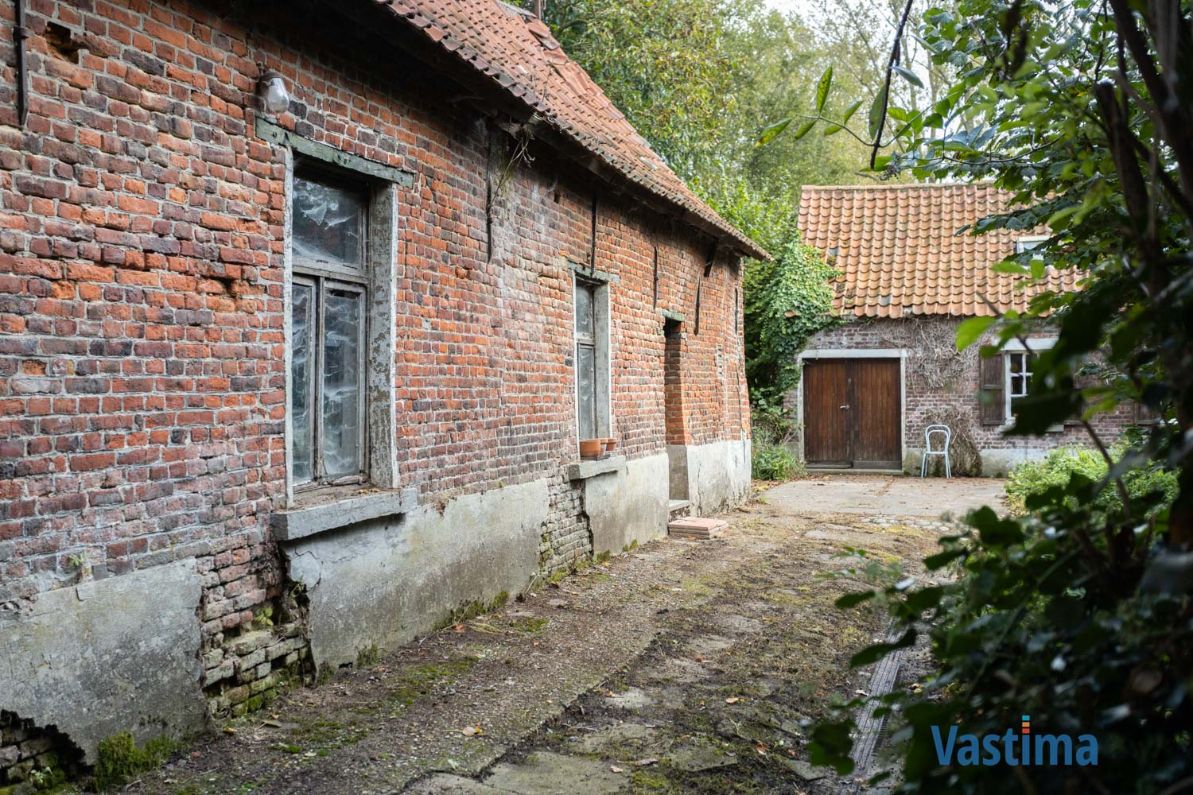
(320, 512)
(583, 470)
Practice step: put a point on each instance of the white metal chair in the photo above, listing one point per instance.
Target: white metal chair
(937, 432)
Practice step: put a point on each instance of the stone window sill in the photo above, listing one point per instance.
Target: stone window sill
(316, 512)
(583, 470)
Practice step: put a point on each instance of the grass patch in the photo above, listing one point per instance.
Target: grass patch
(417, 681)
(531, 625)
(119, 758)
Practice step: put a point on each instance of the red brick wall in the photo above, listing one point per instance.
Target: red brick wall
(141, 297)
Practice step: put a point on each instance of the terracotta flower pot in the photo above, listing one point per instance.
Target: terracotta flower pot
(610, 443)
(591, 448)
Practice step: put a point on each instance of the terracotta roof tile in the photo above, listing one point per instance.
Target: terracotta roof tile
(518, 52)
(899, 253)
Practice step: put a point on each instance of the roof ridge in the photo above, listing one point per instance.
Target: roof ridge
(901, 185)
(486, 37)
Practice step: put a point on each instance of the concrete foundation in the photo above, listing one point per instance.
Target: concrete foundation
(108, 656)
(712, 476)
(380, 583)
(996, 462)
(627, 504)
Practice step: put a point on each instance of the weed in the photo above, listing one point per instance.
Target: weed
(118, 758)
(368, 656)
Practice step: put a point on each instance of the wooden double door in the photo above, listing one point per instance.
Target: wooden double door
(853, 413)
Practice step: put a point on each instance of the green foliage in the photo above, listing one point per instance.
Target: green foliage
(119, 758)
(771, 454)
(771, 461)
(1079, 613)
(1037, 479)
(787, 300)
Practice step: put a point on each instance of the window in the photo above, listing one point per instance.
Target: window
(329, 300)
(1018, 378)
(592, 359)
(1028, 243)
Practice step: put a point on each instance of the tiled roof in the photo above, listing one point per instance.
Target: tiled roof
(518, 53)
(899, 253)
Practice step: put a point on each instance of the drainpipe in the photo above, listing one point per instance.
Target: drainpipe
(19, 34)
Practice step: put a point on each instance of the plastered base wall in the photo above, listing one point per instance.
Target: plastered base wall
(996, 462)
(627, 505)
(381, 583)
(108, 656)
(717, 475)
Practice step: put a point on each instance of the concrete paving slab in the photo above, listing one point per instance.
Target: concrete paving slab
(885, 495)
(546, 773)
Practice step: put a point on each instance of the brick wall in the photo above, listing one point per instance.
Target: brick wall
(141, 304)
(942, 384)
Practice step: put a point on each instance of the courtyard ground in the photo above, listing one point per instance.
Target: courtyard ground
(679, 667)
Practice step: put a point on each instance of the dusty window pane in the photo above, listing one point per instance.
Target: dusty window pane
(584, 304)
(343, 321)
(586, 389)
(327, 222)
(301, 453)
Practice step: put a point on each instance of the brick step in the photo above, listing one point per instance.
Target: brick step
(696, 528)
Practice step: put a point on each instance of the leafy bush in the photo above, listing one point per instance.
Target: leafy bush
(1038, 478)
(772, 457)
(774, 462)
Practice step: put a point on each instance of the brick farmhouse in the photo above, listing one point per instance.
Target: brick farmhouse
(304, 309)
(907, 276)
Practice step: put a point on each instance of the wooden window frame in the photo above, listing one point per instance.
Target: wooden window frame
(324, 276)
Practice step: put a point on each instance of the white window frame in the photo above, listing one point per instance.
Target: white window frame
(600, 343)
(1033, 348)
(1029, 242)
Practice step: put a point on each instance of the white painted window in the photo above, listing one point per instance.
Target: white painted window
(592, 358)
(1029, 242)
(328, 322)
(1018, 360)
(1018, 377)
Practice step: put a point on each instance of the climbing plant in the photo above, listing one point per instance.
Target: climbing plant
(787, 301)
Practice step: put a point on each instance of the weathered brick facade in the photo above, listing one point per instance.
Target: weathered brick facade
(941, 385)
(143, 299)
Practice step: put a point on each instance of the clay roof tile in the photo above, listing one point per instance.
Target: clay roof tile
(903, 241)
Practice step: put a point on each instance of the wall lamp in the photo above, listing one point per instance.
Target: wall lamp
(271, 89)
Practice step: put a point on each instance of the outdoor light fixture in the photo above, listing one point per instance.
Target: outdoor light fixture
(271, 88)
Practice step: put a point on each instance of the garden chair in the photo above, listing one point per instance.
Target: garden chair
(937, 432)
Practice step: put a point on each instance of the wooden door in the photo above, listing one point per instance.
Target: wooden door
(826, 401)
(852, 413)
(875, 415)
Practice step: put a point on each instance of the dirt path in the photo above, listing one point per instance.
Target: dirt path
(680, 667)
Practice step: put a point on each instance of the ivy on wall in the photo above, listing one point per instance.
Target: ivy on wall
(787, 301)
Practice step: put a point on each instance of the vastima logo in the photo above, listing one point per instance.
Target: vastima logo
(1009, 748)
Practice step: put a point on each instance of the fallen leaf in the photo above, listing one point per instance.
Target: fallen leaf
(229, 730)
(760, 749)
(646, 762)
(732, 700)
(273, 723)
(472, 731)
(616, 769)
(458, 627)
